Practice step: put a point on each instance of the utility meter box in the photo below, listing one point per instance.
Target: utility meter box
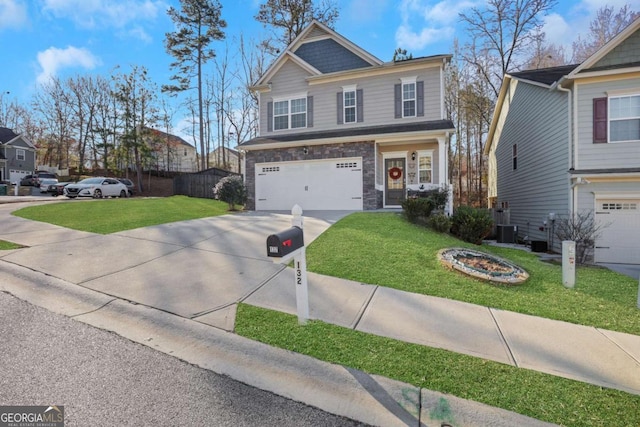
(285, 242)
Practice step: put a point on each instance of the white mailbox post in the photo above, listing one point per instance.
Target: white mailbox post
(287, 245)
(568, 263)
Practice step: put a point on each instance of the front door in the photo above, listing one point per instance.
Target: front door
(394, 182)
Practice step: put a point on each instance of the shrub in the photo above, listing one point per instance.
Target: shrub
(417, 207)
(470, 224)
(440, 223)
(581, 228)
(231, 189)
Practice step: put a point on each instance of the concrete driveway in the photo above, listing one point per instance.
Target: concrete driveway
(195, 269)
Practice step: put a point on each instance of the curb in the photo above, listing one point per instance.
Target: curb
(336, 389)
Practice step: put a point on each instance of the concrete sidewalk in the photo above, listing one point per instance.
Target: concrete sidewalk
(168, 285)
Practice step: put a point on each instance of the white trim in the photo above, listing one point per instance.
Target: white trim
(603, 195)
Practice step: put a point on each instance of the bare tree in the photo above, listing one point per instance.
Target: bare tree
(287, 19)
(603, 28)
(504, 30)
(545, 55)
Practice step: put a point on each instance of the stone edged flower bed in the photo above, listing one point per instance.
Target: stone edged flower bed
(482, 266)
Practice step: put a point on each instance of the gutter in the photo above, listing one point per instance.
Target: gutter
(571, 141)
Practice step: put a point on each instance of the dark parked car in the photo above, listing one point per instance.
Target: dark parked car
(57, 189)
(131, 187)
(34, 180)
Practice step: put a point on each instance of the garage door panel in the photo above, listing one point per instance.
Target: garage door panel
(619, 241)
(334, 184)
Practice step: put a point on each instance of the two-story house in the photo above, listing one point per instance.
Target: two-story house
(342, 130)
(17, 156)
(566, 140)
(170, 152)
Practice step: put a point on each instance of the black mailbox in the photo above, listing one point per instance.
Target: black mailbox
(285, 242)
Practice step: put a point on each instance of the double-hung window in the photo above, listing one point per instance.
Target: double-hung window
(624, 118)
(349, 97)
(408, 98)
(290, 114)
(20, 154)
(425, 167)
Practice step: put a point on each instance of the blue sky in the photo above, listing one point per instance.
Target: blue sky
(41, 38)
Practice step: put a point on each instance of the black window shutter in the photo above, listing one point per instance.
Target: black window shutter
(420, 98)
(397, 90)
(359, 106)
(339, 108)
(270, 116)
(599, 120)
(309, 111)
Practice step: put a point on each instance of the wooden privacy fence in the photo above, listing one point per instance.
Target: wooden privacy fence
(199, 184)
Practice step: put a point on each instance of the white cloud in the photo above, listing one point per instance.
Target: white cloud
(425, 22)
(54, 59)
(557, 30)
(105, 13)
(13, 14)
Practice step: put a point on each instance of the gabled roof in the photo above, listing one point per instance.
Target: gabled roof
(318, 46)
(8, 136)
(607, 48)
(554, 77)
(164, 136)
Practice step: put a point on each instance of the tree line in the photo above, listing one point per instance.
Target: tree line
(103, 121)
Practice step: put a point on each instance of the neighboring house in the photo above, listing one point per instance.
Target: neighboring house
(567, 140)
(227, 159)
(170, 152)
(17, 156)
(342, 130)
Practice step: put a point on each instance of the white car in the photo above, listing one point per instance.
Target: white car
(97, 188)
(45, 183)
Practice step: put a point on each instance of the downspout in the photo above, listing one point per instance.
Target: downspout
(573, 197)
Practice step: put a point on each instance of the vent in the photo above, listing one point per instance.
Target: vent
(271, 169)
(346, 165)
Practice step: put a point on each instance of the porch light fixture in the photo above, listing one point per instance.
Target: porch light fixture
(413, 156)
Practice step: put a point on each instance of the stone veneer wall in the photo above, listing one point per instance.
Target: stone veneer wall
(364, 149)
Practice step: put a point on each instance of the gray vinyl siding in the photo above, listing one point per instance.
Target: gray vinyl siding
(603, 155)
(537, 123)
(625, 53)
(377, 91)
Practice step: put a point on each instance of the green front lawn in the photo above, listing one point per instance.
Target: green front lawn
(384, 249)
(541, 396)
(113, 215)
(4, 246)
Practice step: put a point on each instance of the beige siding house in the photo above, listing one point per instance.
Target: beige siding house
(342, 130)
(566, 140)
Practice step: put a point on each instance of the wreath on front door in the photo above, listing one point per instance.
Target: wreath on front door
(395, 173)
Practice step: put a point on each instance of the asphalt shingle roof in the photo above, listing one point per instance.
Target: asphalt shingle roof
(547, 76)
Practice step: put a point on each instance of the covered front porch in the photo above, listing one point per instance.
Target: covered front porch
(409, 168)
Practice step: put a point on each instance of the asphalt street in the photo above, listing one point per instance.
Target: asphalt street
(103, 379)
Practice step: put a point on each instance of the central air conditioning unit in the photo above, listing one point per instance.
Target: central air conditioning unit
(506, 233)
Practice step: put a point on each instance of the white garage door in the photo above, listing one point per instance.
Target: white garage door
(334, 184)
(620, 239)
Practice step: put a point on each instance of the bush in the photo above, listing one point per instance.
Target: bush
(417, 207)
(231, 189)
(581, 228)
(470, 224)
(440, 223)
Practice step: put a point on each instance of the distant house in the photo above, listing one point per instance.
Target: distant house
(342, 130)
(17, 156)
(170, 152)
(227, 159)
(566, 140)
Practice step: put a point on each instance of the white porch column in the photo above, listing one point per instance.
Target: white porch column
(443, 164)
